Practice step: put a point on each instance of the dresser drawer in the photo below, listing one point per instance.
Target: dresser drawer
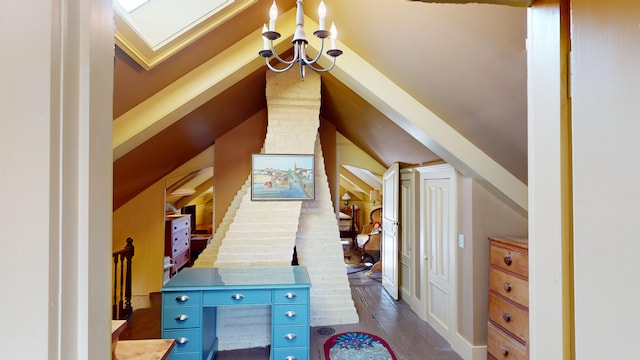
(290, 336)
(237, 297)
(183, 222)
(187, 340)
(181, 298)
(509, 286)
(180, 240)
(510, 317)
(291, 296)
(291, 354)
(503, 347)
(290, 315)
(510, 259)
(181, 259)
(180, 317)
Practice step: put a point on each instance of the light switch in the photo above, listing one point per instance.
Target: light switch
(461, 241)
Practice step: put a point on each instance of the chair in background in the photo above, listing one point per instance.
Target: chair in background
(368, 240)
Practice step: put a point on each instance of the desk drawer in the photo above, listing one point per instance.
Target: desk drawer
(291, 296)
(181, 298)
(173, 355)
(237, 297)
(290, 336)
(290, 315)
(187, 340)
(180, 317)
(291, 354)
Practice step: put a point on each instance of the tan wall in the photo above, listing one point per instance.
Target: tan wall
(233, 160)
(480, 215)
(142, 219)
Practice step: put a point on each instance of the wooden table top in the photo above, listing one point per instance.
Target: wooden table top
(151, 349)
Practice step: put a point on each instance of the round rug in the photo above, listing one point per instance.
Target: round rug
(357, 346)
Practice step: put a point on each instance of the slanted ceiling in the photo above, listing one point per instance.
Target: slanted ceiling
(418, 82)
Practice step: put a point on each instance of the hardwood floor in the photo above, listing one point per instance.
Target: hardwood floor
(409, 336)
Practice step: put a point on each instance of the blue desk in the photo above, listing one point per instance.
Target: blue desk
(190, 300)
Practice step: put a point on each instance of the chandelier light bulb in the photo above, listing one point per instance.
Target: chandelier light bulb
(322, 14)
(334, 35)
(273, 14)
(265, 41)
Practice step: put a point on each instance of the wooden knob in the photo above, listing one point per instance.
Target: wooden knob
(507, 287)
(504, 350)
(506, 317)
(508, 260)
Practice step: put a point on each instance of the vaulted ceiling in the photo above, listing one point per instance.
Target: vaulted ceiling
(418, 82)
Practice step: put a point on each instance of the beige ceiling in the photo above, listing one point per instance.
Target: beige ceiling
(465, 63)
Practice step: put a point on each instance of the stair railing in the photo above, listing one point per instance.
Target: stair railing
(122, 308)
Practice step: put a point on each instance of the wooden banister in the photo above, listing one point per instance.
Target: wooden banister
(122, 284)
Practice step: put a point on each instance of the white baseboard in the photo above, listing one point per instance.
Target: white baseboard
(468, 351)
(414, 304)
(458, 343)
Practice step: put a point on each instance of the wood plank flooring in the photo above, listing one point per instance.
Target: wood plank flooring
(409, 336)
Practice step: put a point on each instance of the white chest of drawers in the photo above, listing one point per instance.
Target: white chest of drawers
(177, 240)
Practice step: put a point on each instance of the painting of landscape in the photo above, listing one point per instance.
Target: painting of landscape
(282, 177)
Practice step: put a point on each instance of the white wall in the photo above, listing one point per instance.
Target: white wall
(597, 243)
(24, 180)
(606, 196)
(549, 183)
(55, 139)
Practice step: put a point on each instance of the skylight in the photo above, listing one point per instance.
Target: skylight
(151, 31)
(130, 5)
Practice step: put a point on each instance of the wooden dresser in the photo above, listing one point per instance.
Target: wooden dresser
(508, 328)
(177, 240)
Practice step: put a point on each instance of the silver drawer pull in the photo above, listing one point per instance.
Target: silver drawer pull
(237, 297)
(182, 317)
(182, 298)
(290, 336)
(291, 357)
(182, 340)
(290, 314)
(290, 295)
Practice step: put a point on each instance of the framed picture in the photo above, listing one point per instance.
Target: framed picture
(282, 177)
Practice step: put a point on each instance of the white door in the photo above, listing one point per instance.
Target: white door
(437, 227)
(389, 249)
(437, 251)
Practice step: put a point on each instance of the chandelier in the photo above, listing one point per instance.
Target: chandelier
(299, 41)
